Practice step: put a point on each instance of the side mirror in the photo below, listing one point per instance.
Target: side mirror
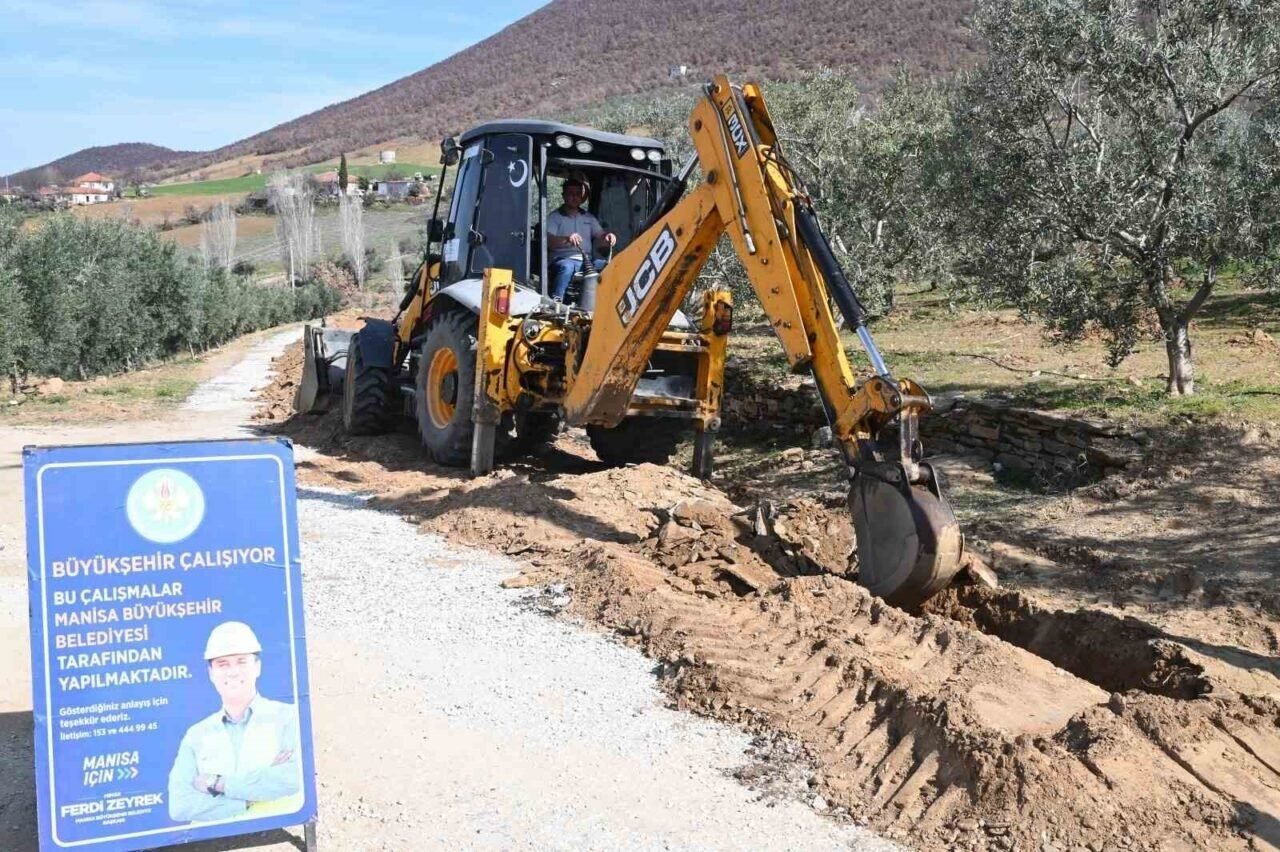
(450, 153)
(435, 231)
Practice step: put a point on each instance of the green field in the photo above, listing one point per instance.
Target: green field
(253, 183)
(247, 183)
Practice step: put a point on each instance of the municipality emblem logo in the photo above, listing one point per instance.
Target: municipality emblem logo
(165, 505)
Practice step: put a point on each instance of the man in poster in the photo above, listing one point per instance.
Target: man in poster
(242, 761)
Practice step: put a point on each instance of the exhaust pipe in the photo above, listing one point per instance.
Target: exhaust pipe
(590, 284)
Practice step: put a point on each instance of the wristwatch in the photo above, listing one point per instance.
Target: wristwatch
(212, 789)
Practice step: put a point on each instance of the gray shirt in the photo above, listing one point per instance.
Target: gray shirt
(559, 224)
(245, 754)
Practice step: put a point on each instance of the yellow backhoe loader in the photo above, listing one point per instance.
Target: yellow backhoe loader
(479, 348)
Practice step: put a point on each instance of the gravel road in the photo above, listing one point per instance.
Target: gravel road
(451, 713)
(497, 727)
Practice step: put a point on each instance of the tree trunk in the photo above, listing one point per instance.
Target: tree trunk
(1177, 335)
(1177, 344)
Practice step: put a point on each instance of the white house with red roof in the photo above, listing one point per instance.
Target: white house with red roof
(93, 180)
(87, 195)
(328, 182)
(89, 188)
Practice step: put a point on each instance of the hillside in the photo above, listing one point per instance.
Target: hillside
(575, 52)
(115, 160)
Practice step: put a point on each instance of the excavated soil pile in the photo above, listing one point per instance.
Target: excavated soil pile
(275, 401)
(932, 730)
(984, 723)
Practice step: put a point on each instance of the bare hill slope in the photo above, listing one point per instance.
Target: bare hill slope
(574, 52)
(114, 160)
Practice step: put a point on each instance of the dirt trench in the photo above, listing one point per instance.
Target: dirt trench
(1113, 653)
(985, 722)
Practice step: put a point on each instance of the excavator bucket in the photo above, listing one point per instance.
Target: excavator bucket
(324, 366)
(909, 542)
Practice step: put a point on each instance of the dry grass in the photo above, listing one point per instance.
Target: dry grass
(143, 395)
(408, 150)
(153, 211)
(232, 168)
(247, 228)
(139, 395)
(961, 348)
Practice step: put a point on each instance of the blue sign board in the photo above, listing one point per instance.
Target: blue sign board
(167, 643)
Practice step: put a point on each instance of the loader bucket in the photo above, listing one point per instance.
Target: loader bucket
(324, 366)
(909, 542)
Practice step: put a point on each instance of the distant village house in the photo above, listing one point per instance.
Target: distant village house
(328, 182)
(52, 195)
(393, 190)
(93, 180)
(90, 188)
(88, 195)
(386, 157)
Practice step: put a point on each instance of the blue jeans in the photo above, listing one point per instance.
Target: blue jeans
(561, 271)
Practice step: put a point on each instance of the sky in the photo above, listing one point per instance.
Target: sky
(198, 74)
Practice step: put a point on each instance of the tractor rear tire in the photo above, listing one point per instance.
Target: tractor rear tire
(637, 440)
(366, 394)
(446, 384)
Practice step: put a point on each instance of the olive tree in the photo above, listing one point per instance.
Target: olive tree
(1262, 179)
(1100, 149)
(14, 327)
(871, 171)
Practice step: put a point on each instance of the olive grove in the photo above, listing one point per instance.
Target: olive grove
(868, 171)
(1104, 157)
(82, 297)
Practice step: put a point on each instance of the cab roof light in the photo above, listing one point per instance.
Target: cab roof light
(637, 154)
(655, 156)
(563, 141)
(582, 146)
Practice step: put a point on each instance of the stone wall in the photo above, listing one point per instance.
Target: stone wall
(1053, 448)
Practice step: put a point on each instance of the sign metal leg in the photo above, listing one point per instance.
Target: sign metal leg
(309, 835)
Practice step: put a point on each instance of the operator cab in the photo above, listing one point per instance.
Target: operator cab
(510, 177)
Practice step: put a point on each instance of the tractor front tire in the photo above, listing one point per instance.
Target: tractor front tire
(637, 440)
(445, 384)
(366, 394)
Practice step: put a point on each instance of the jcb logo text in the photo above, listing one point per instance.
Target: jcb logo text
(736, 129)
(646, 276)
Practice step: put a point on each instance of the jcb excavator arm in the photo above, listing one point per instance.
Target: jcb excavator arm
(909, 544)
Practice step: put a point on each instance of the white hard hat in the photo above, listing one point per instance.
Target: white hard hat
(231, 637)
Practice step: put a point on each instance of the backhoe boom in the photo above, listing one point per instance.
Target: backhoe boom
(909, 542)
